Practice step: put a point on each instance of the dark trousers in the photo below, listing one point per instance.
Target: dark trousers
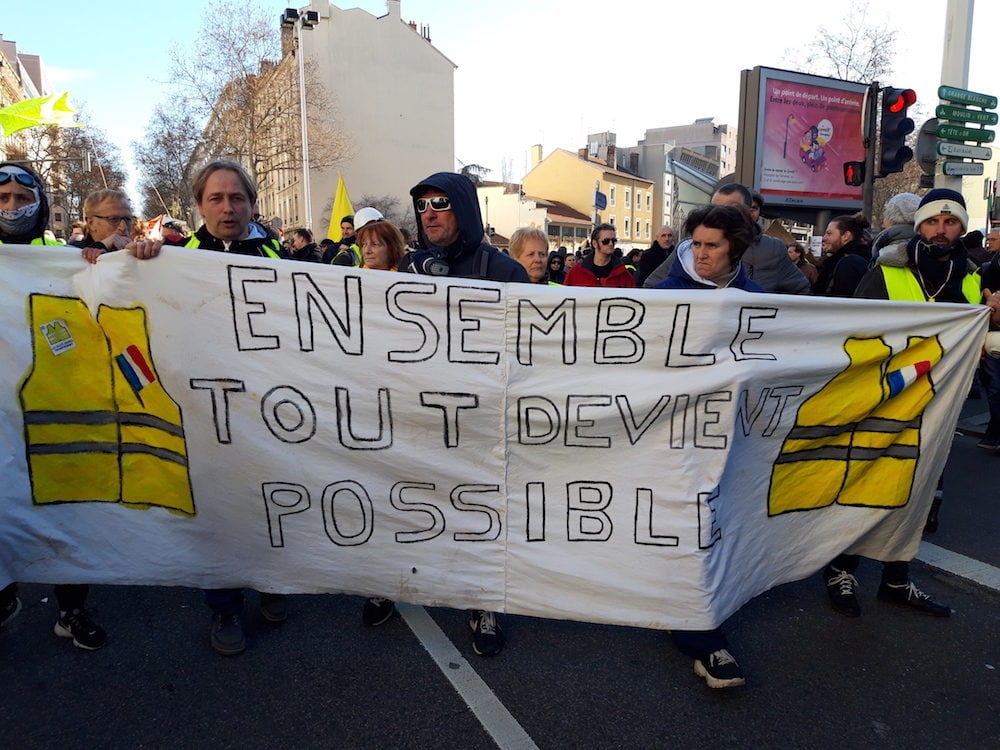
(227, 602)
(698, 643)
(69, 596)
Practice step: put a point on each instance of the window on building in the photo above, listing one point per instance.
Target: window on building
(638, 199)
(625, 227)
(649, 201)
(612, 196)
(611, 220)
(648, 230)
(628, 198)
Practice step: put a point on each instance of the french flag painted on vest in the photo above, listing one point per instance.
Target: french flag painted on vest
(135, 368)
(905, 376)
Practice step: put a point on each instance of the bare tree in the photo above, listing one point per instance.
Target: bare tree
(72, 162)
(859, 48)
(162, 158)
(243, 84)
(394, 211)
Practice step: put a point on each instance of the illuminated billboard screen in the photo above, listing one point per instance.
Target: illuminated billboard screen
(807, 127)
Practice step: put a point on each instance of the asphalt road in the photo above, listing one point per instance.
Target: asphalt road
(889, 679)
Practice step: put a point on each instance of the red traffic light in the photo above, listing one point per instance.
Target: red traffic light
(897, 100)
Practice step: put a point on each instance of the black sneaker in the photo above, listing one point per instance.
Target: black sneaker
(227, 635)
(989, 444)
(842, 587)
(377, 611)
(273, 608)
(487, 635)
(9, 611)
(908, 595)
(85, 632)
(720, 670)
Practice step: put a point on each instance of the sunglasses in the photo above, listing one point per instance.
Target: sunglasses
(116, 220)
(22, 179)
(438, 203)
(609, 241)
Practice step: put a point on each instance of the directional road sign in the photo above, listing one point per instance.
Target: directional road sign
(962, 167)
(960, 114)
(964, 151)
(958, 133)
(962, 96)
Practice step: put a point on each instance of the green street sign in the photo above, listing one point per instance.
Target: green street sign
(958, 133)
(961, 96)
(959, 114)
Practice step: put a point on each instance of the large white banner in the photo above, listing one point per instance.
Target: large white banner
(654, 458)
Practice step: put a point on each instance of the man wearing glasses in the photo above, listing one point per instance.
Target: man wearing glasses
(109, 223)
(602, 267)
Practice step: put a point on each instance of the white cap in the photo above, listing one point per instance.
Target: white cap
(366, 216)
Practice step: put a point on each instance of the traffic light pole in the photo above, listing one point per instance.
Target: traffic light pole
(871, 117)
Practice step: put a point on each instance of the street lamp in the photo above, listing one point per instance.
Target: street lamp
(291, 17)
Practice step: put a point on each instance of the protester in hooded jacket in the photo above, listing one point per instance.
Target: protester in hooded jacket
(450, 231)
(451, 240)
(24, 209)
(557, 266)
(720, 235)
(846, 256)
(711, 258)
(602, 267)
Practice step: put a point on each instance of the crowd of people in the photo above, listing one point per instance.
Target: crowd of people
(920, 255)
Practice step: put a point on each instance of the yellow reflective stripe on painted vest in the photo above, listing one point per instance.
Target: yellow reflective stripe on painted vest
(902, 285)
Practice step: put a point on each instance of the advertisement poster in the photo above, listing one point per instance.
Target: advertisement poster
(807, 128)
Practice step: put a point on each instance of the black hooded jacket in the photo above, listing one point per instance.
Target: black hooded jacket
(469, 256)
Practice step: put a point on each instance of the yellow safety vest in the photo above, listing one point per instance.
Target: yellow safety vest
(902, 285)
(99, 426)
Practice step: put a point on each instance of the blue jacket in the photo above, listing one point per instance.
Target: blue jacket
(683, 276)
(469, 257)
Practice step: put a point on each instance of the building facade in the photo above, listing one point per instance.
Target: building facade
(392, 103)
(576, 179)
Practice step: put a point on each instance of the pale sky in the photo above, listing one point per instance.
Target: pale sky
(529, 71)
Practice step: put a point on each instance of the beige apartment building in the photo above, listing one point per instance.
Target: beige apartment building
(574, 179)
(392, 102)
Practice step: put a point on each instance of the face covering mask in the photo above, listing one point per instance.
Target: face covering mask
(933, 251)
(19, 221)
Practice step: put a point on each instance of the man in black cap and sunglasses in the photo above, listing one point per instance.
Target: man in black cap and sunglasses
(450, 228)
(451, 243)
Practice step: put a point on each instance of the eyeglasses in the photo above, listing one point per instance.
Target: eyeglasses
(22, 178)
(609, 241)
(116, 220)
(438, 203)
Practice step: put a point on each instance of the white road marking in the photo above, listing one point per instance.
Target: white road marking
(960, 565)
(492, 714)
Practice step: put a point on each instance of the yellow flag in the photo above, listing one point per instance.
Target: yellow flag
(341, 208)
(43, 110)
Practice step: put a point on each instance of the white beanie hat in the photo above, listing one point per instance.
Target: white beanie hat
(941, 201)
